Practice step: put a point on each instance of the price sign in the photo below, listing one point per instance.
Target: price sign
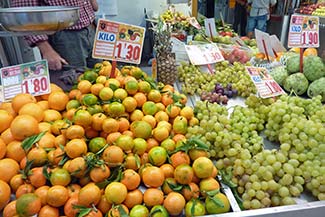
(118, 41)
(264, 83)
(32, 78)
(204, 54)
(303, 31)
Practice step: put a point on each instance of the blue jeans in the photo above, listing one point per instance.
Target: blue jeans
(258, 22)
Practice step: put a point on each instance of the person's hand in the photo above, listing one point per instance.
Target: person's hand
(55, 61)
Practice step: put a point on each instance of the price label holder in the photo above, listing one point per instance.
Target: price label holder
(264, 83)
(303, 31)
(210, 27)
(118, 41)
(32, 78)
(263, 43)
(193, 21)
(204, 54)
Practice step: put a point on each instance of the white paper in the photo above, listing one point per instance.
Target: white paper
(276, 44)
(107, 7)
(264, 37)
(210, 27)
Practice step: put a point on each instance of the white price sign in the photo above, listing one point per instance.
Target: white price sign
(32, 78)
(118, 41)
(264, 83)
(303, 31)
(204, 54)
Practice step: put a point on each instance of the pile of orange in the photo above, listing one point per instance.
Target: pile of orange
(112, 145)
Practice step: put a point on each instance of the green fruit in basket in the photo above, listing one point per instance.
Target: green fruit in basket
(296, 82)
(313, 68)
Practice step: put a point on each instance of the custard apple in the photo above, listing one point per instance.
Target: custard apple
(296, 82)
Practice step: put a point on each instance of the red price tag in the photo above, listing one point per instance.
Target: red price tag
(303, 31)
(118, 41)
(35, 86)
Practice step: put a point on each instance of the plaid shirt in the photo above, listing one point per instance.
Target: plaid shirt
(87, 14)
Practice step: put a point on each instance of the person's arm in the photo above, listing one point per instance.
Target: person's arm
(55, 61)
(94, 4)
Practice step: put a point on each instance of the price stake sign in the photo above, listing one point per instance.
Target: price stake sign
(303, 31)
(118, 41)
(32, 78)
(264, 83)
(204, 54)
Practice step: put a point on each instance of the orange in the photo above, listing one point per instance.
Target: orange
(89, 194)
(60, 176)
(104, 206)
(94, 213)
(154, 95)
(131, 87)
(144, 87)
(57, 196)
(174, 203)
(150, 120)
(59, 127)
(160, 106)
(32, 109)
(74, 94)
(112, 137)
(140, 98)
(8, 168)
(125, 142)
(18, 127)
(97, 121)
(100, 173)
(311, 52)
(38, 155)
(10, 209)
(60, 140)
(113, 155)
(183, 174)
(166, 99)
(168, 170)
(141, 129)
(136, 115)
(260, 55)
(115, 109)
(110, 125)
(73, 103)
(173, 111)
(151, 142)
(168, 87)
(21, 99)
(149, 108)
(47, 141)
(157, 156)
(160, 133)
(3, 149)
(76, 148)
(196, 153)
(203, 167)
(161, 116)
(58, 100)
(191, 191)
(101, 79)
(96, 144)
(28, 205)
(187, 112)
(5, 194)
(169, 185)
(130, 104)
(153, 177)
(15, 151)
(133, 198)
(168, 144)
(115, 211)
(96, 88)
(120, 94)
(75, 132)
(152, 197)
(41, 192)
(84, 86)
(51, 115)
(77, 167)
(131, 179)
(24, 189)
(83, 118)
(165, 124)
(48, 211)
(208, 184)
(44, 126)
(179, 137)
(5, 120)
(124, 124)
(140, 146)
(115, 192)
(132, 161)
(16, 181)
(37, 179)
(53, 88)
(68, 209)
(112, 82)
(213, 208)
(179, 158)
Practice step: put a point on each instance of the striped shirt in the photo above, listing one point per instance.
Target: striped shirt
(87, 14)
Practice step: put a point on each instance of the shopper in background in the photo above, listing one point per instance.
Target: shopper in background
(71, 46)
(258, 16)
(240, 17)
